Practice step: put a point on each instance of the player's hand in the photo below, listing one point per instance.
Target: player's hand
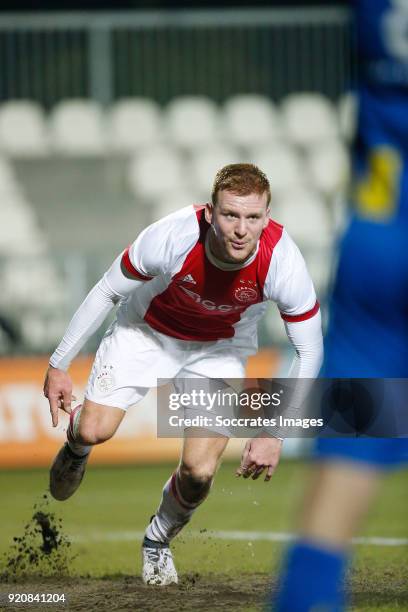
(260, 454)
(58, 390)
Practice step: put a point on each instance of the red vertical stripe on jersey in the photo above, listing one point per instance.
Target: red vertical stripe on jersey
(199, 207)
(203, 302)
(269, 239)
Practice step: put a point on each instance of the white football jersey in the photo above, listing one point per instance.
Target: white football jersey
(189, 295)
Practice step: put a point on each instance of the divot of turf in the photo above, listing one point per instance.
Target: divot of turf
(42, 550)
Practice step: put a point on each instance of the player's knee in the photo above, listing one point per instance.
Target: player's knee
(94, 431)
(197, 478)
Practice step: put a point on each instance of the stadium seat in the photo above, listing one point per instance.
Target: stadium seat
(328, 166)
(347, 115)
(134, 123)
(23, 131)
(251, 120)
(319, 264)
(340, 213)
(7, 179)
(159, 170)
(192, 121)
(305, 216)
(32, 282)
(34, 331)
(206, 162)
(19, 233)
(174, 201)
(42, 332)
(282, 165)
(77, 128)
(16, 216)
(16, 288)
(308, 119)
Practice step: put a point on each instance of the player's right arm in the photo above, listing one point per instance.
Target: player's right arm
(150, 255)
(139, 263)
(116, 284)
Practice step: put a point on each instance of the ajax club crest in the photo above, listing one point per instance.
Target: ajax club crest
(105, 380)
(246, 293)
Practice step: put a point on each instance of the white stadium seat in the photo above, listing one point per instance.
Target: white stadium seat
(171, 202)
(206, 162)
(328, 166)
(251, 120)
(319, 264)
(134, 123)
(340, 212)
(282, 165)
(15, 217)
(40, 331)
(192, 121)
(77, 128)
(19, 233)
(159, 170)
(305, 216)
(32, 282)
(23, 129)
(347, 113)
(7, 179)
(34, 331)
(309, 118)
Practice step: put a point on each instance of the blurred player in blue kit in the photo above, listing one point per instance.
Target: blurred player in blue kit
(368, 331)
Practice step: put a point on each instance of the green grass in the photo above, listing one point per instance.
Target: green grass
(122, 499)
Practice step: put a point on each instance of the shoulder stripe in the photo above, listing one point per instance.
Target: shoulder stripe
(269, 239)
(201, 220)
(301, 317)
(131, 269)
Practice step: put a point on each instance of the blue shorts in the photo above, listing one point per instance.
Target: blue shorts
(368, 331)
(381, 453)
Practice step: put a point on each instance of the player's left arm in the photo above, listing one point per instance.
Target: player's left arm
(260, 454)
(295, 296)
(290, 286)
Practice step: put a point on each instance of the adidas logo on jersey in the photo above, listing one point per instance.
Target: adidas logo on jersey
(188, 279)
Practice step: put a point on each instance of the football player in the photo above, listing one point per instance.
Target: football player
(191, 290)
(368, 332)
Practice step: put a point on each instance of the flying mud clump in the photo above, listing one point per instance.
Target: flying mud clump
(42, 549)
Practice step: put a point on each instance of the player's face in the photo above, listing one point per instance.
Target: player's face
(236, 225)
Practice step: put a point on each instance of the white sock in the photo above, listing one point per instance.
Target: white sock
(72, 432)
(172, 514)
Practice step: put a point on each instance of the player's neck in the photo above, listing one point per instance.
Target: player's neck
(225, 265)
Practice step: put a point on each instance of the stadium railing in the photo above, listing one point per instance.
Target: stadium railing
(48, 57)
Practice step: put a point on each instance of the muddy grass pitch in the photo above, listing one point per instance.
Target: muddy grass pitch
(194, 593)
(129, 593)
(88, 548)
(40, 557)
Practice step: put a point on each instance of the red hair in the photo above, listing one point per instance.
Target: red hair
(241, 179)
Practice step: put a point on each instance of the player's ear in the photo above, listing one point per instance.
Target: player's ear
(209, 212)
(266, 220)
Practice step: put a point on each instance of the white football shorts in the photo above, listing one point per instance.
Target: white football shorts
(131, 359)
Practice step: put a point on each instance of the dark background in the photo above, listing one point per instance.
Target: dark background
(60, 5)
